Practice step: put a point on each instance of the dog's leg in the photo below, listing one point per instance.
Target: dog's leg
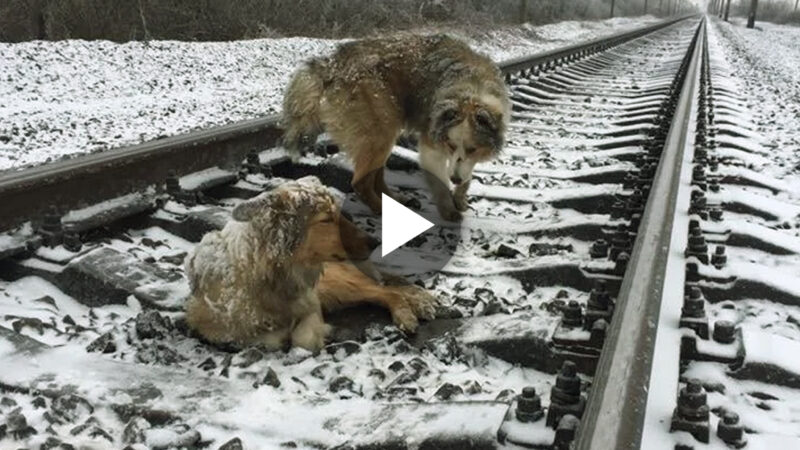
(342, 285)
(381, 186)
(310, 332)
(435, 164)
(364, 185)
(460, 196)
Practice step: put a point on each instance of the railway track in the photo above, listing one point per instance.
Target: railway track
(589, 304)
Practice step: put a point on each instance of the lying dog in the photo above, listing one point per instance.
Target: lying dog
(368, 91)
(267, 277)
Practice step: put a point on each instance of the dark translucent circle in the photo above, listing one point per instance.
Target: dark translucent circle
(421, 257)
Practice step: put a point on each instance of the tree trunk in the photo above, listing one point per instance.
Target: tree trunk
(795, 4)
(645, 6)
(727, 9)
(612, 8)
(751, 17)
(523, 11)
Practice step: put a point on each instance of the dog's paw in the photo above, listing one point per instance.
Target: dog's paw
(310, 335)
(450, 213)
(405, 319)
(422, 302)
(461, 203)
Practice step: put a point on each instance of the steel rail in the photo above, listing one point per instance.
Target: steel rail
(615, 411)
(29, 194)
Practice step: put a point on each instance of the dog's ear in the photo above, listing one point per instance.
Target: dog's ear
(445, 115)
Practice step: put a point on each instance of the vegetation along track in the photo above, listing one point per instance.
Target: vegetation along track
(604, 202)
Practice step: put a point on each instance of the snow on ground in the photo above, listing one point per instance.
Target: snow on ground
(72, 97)
(765, 64)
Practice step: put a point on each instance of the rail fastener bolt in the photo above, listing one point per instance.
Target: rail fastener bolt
(715, 213)
(621, 264)
(598, 333)
(713, 163)
(253, 164)
(693, 312)
(565, 396)
(52, 230)
(529, 406)
(697, 245)
(599, 305)
(629, 182)
(620, 242)
(694, 305)
(724, 332)
(692, 272)
(172, 184)
(719, 258)
(72, 241)
(565, 432)
(698, 204)
(692, 413)
(731, 431)
(573, 316)
(617, 209)
(599, 249)
(174, 189)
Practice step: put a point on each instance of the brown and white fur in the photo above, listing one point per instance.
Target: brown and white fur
(267, 277)
(369, 91)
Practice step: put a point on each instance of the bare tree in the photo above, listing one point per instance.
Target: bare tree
(727, 9)
(751, 17)
(146, 34)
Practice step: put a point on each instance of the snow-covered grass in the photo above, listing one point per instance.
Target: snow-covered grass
(72, 97)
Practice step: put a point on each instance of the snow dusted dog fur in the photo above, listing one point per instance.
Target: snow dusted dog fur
(268, 275)
(368, 91)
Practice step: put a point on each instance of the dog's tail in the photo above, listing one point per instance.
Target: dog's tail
(301, 119)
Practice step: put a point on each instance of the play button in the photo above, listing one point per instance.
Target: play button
(416, 243)
(400, 225)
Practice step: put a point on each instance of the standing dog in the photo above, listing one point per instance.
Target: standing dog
(268, 275)
(368, 91)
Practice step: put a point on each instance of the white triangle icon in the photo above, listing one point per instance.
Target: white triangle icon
(399, 225)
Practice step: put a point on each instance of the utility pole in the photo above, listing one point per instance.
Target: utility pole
(727, 9)
(751, 17)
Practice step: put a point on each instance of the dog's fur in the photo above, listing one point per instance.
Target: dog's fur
(368, 91)
(267, 277)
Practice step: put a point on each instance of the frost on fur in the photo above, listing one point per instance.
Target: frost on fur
(246, 289)
(288, 255)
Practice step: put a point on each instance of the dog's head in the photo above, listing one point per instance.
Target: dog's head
(470, 127)
(301, 221)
